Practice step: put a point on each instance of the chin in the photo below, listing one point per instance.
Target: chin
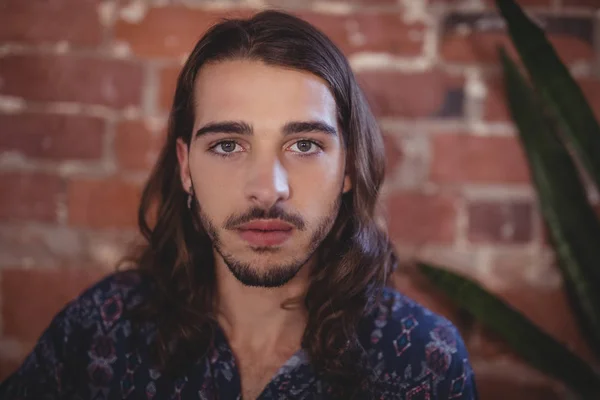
(267, 276)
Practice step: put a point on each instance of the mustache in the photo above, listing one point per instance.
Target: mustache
(259, 213)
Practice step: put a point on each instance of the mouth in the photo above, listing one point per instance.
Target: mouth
(265, 233)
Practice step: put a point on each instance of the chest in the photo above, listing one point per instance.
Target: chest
(257, 371)
(227, 373)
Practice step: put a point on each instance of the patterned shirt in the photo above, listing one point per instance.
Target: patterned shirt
(86, 353)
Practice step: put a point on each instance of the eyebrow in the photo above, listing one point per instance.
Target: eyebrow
(242, 128)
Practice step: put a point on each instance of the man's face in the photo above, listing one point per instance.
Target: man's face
(266, 162)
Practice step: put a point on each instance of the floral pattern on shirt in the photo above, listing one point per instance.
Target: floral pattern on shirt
(89, 352)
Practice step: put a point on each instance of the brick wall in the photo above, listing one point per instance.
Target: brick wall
(85, 87)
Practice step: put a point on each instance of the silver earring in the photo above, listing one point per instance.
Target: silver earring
(189, 199)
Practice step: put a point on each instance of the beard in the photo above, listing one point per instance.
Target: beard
(277, 274)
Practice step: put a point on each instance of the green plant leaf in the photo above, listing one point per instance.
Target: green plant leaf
(556, 86)
(535, 346)
(572, 223)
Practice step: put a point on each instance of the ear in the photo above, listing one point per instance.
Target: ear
(347, 184)
(349, 160)
(184, 166)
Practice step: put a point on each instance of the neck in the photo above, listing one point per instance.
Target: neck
(261, 318)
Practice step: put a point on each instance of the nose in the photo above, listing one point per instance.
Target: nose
(267, 183)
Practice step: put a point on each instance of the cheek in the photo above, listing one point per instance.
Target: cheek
(214, 190)
(329, 174)
(315, 189)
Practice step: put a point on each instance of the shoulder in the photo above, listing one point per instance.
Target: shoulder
(107, 301)
(412, 347)
(101, 310)
(80, 340)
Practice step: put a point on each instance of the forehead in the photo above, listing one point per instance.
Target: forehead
(260, 94)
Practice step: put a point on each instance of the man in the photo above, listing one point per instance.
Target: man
(263, 273)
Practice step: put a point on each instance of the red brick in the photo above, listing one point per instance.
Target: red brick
(475, 48)
(571, 36)
(8, 366)
(168, 83)
(500, 222)
(88, 80)
(413, 95)
(525, 3)
(517, 267)
(54, 137)
(29, 196)
(169, 31)
(74, 21)
(492, 3)
(418, 288)
(572, 49)
(31, 297)
(550, 309)
(370, 31)
(12, 354)
(420, 218)
(41, 245)
(459, 158)
(486, 344)
(593, 4)
(102, 203)
(500, 386)
(377, 2)
(136, 147)
(173, 31)
(538, 295)
(496, 107)
(50, 246)
(393, 154)
(591, 90)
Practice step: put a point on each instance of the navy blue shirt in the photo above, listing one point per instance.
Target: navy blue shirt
(86, 353)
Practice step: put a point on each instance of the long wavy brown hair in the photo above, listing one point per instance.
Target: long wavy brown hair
(355, 258)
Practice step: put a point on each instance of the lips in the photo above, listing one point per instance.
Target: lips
(266, 225)
(266, 232)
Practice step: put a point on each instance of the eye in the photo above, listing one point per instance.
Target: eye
(226, 147)
(305, 147)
